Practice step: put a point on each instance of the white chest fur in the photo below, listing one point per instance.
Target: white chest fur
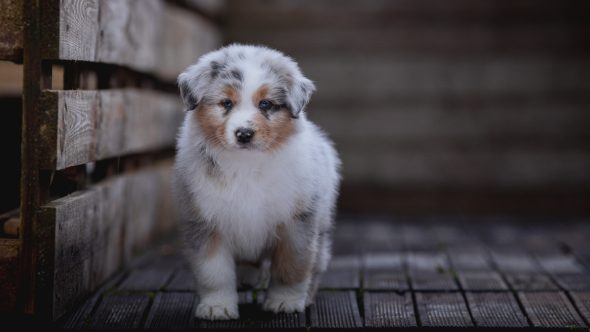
(249, 194)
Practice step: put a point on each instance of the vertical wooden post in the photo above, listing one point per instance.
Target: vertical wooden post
(29, 162)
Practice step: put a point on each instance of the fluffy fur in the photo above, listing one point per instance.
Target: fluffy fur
(268, 200)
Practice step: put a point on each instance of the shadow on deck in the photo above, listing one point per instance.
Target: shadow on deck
(479, 273)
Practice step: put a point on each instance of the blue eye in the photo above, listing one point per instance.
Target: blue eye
(227, 104)
(265, 105)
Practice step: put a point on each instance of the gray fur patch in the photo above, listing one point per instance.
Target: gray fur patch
(212, 166)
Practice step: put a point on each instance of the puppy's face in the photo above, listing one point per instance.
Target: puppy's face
(245, 97)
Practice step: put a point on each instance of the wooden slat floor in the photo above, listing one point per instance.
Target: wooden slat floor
(492, 273)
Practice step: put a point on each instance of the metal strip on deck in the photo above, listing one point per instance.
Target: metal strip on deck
(182, 280)
(387, 310)
(147, 279)
(335, 309)
(120, 312)
(172, 311)
(443, 310)
(530, 282)
(550, 310)
(385, 280)
(482, 281)
(498, 309)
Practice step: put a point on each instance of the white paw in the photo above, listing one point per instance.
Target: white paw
(285, 304)
(217, 311)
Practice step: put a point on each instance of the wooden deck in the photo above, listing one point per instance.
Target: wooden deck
(493, 273)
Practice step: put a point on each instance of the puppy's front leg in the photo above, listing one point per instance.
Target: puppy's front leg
(214, 269)
(292, 262)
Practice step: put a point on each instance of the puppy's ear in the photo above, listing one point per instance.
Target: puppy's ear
(192, 84)
(300, 95)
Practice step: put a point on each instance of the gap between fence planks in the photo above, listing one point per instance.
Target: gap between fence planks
(88, 235)
(147, 35)
(78, 126)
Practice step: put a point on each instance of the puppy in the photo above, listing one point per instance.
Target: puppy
(255, 180)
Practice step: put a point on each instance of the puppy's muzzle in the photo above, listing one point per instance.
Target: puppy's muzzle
(244, 135)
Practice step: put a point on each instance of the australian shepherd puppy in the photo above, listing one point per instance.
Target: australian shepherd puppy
(256, 181)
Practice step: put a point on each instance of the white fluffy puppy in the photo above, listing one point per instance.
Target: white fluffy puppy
(255, 180)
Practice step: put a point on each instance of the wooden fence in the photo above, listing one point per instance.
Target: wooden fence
(100, 115)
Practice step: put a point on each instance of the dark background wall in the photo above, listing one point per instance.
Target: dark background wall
(456, 106)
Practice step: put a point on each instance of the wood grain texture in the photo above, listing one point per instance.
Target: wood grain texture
(335, 310)
(442, 310)
(388, 310)
(9, 278)
(145, 35)
(496, 310)
(83, 126)
(11, 30)
(172, 311)
(86, 233)
(550, 310)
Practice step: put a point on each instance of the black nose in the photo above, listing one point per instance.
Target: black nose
(244, 135)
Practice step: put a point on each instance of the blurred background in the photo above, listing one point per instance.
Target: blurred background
(443, 106)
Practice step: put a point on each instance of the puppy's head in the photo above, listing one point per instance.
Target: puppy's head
(245, 97)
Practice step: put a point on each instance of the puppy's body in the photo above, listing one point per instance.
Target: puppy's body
(253, 181)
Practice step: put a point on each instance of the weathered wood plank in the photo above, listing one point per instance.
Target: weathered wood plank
(146, 279)
(582, 301)
(433, 281)
(281, 321)
(389, 261)
(482, 281)
(182, 280)
(120, 312)
(11, 30)
(387, 310)
(345, 279)
(335, 310)
(86, 240)
(83, 126)
(515, 261)
(560, 263)
(172, 311)
(385, 280)
(496, 310)
(442, 310)
(574, 281)
(247, 309)
(9, 277)
(474, 260)
(530, 282)
(550, 310)
(427, 262)
(157, 37)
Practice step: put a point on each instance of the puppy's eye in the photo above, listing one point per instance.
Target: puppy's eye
(227, 104)
(265, 105)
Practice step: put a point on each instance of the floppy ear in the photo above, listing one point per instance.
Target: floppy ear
(192, 84)
(299, 95)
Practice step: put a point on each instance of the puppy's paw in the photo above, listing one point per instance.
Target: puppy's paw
(218, 310)
(283, 303)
